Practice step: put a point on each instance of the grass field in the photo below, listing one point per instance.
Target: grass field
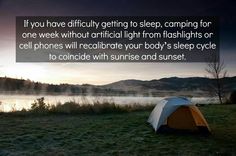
(113, 134)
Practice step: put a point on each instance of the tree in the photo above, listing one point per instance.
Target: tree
(217, 72)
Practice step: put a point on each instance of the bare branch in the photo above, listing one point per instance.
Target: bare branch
(217, 72)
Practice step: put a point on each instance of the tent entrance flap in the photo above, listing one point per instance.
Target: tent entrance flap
(182, 118)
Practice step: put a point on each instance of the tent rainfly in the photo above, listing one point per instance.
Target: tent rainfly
(177, 114)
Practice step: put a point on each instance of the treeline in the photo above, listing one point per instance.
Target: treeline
(21, 86)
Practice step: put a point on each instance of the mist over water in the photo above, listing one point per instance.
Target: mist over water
(18, 102)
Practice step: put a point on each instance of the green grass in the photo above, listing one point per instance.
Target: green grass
(113, 134)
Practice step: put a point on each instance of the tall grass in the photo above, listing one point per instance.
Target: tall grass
(84, 107)
(0, 106)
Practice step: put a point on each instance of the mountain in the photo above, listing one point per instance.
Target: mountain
(171, 86)
(192, 86)
(173, 83)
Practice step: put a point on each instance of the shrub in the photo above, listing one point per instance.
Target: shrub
(40, 106)
(233, 97)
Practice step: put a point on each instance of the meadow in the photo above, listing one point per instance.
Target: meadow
(110, 131)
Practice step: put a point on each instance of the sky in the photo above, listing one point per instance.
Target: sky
(103, 73)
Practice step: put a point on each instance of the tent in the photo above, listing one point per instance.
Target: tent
(177, 114)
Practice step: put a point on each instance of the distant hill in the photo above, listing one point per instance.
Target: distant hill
(172, 83)
(171, 86)
(192, 86)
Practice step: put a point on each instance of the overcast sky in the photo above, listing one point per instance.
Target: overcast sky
(102, 73)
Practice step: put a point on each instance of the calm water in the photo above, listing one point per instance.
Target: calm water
(18, 102)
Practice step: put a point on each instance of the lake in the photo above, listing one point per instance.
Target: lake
(18, 102)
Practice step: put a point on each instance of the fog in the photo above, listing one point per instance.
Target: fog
(18, 102)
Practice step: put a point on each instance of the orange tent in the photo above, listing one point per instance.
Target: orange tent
(177, 114)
